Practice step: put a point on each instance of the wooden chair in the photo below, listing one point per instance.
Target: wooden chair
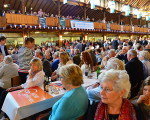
(15, 81)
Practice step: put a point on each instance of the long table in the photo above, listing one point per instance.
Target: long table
(26, 102)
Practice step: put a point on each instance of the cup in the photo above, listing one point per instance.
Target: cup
(86, 73)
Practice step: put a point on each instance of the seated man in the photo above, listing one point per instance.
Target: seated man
(94, 91)
(123, 55)
(8, 71)
(46, 65)
(111, 54)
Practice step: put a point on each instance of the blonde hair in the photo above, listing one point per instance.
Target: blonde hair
(38, 62)
(64, 57)
(115, 63)
(71, 74)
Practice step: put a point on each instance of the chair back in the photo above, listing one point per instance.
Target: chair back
(15, 81)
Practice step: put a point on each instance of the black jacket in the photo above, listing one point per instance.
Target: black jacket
(5, 49)
(47, 67)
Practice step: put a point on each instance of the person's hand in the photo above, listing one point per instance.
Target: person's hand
(53, 77)
(143, 98)
(11, 89)
(95, 85)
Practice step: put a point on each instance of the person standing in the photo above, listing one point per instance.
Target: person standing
(24, 58)
(3, 48)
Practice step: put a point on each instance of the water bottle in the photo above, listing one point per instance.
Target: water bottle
(98, 71)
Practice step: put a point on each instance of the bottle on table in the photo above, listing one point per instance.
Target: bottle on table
(89, 73)
(98, 71)
(46, 83)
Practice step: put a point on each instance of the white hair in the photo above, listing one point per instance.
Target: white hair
(145, 54)
(119, 79)
(115, 63)
(132, 52)
(8, 59)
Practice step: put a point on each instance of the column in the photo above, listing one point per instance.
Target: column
(147, 24)
(23, 6)
(118, 18)
(104, 37)
(25, 34)
(85, 37)
(60, 40)
(130, 20)
(84, 11)
(58, 7)
(104, 13)
(140, 21)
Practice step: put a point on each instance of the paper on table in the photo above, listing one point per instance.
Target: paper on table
(29, 96)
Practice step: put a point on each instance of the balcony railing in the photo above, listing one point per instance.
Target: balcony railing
(18, 19)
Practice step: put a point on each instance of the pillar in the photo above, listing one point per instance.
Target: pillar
(118, 19)
(60, 40)
(104, 37)
(140, 21)
(23, 6)
(58, 7)
(85, 37)
(104, 13)
(84, 11)
(130, 20)
(147, 24)
(25, 34)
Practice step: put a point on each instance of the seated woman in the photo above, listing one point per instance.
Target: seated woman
(94, 91)
(63, 59)
(74, 103)
(142, 101)
(87, 61)
(114, 89)
(35, 78)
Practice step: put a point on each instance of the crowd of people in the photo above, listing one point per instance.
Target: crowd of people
(123, 90)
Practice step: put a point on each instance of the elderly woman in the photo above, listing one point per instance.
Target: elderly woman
(87, 60)
(94, 91)
(142, 101)
(63, 59)
(74, 103)
(144, 57)
(35, 78)
(114, 89)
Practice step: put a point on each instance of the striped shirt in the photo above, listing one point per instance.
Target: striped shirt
(24, 58)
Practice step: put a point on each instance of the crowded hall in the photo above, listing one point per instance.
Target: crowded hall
(75, 60)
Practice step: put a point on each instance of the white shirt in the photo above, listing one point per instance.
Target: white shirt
(37, 80)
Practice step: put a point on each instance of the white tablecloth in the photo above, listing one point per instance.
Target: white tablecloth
(15, 112)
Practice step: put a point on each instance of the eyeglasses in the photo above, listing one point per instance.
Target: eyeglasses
(105, 89)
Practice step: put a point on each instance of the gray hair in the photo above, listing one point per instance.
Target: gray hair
(119, 79)
(56, 54)
(132, 53)
(145, 54)
(110, 51)
(115, 63)
(8, 59)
